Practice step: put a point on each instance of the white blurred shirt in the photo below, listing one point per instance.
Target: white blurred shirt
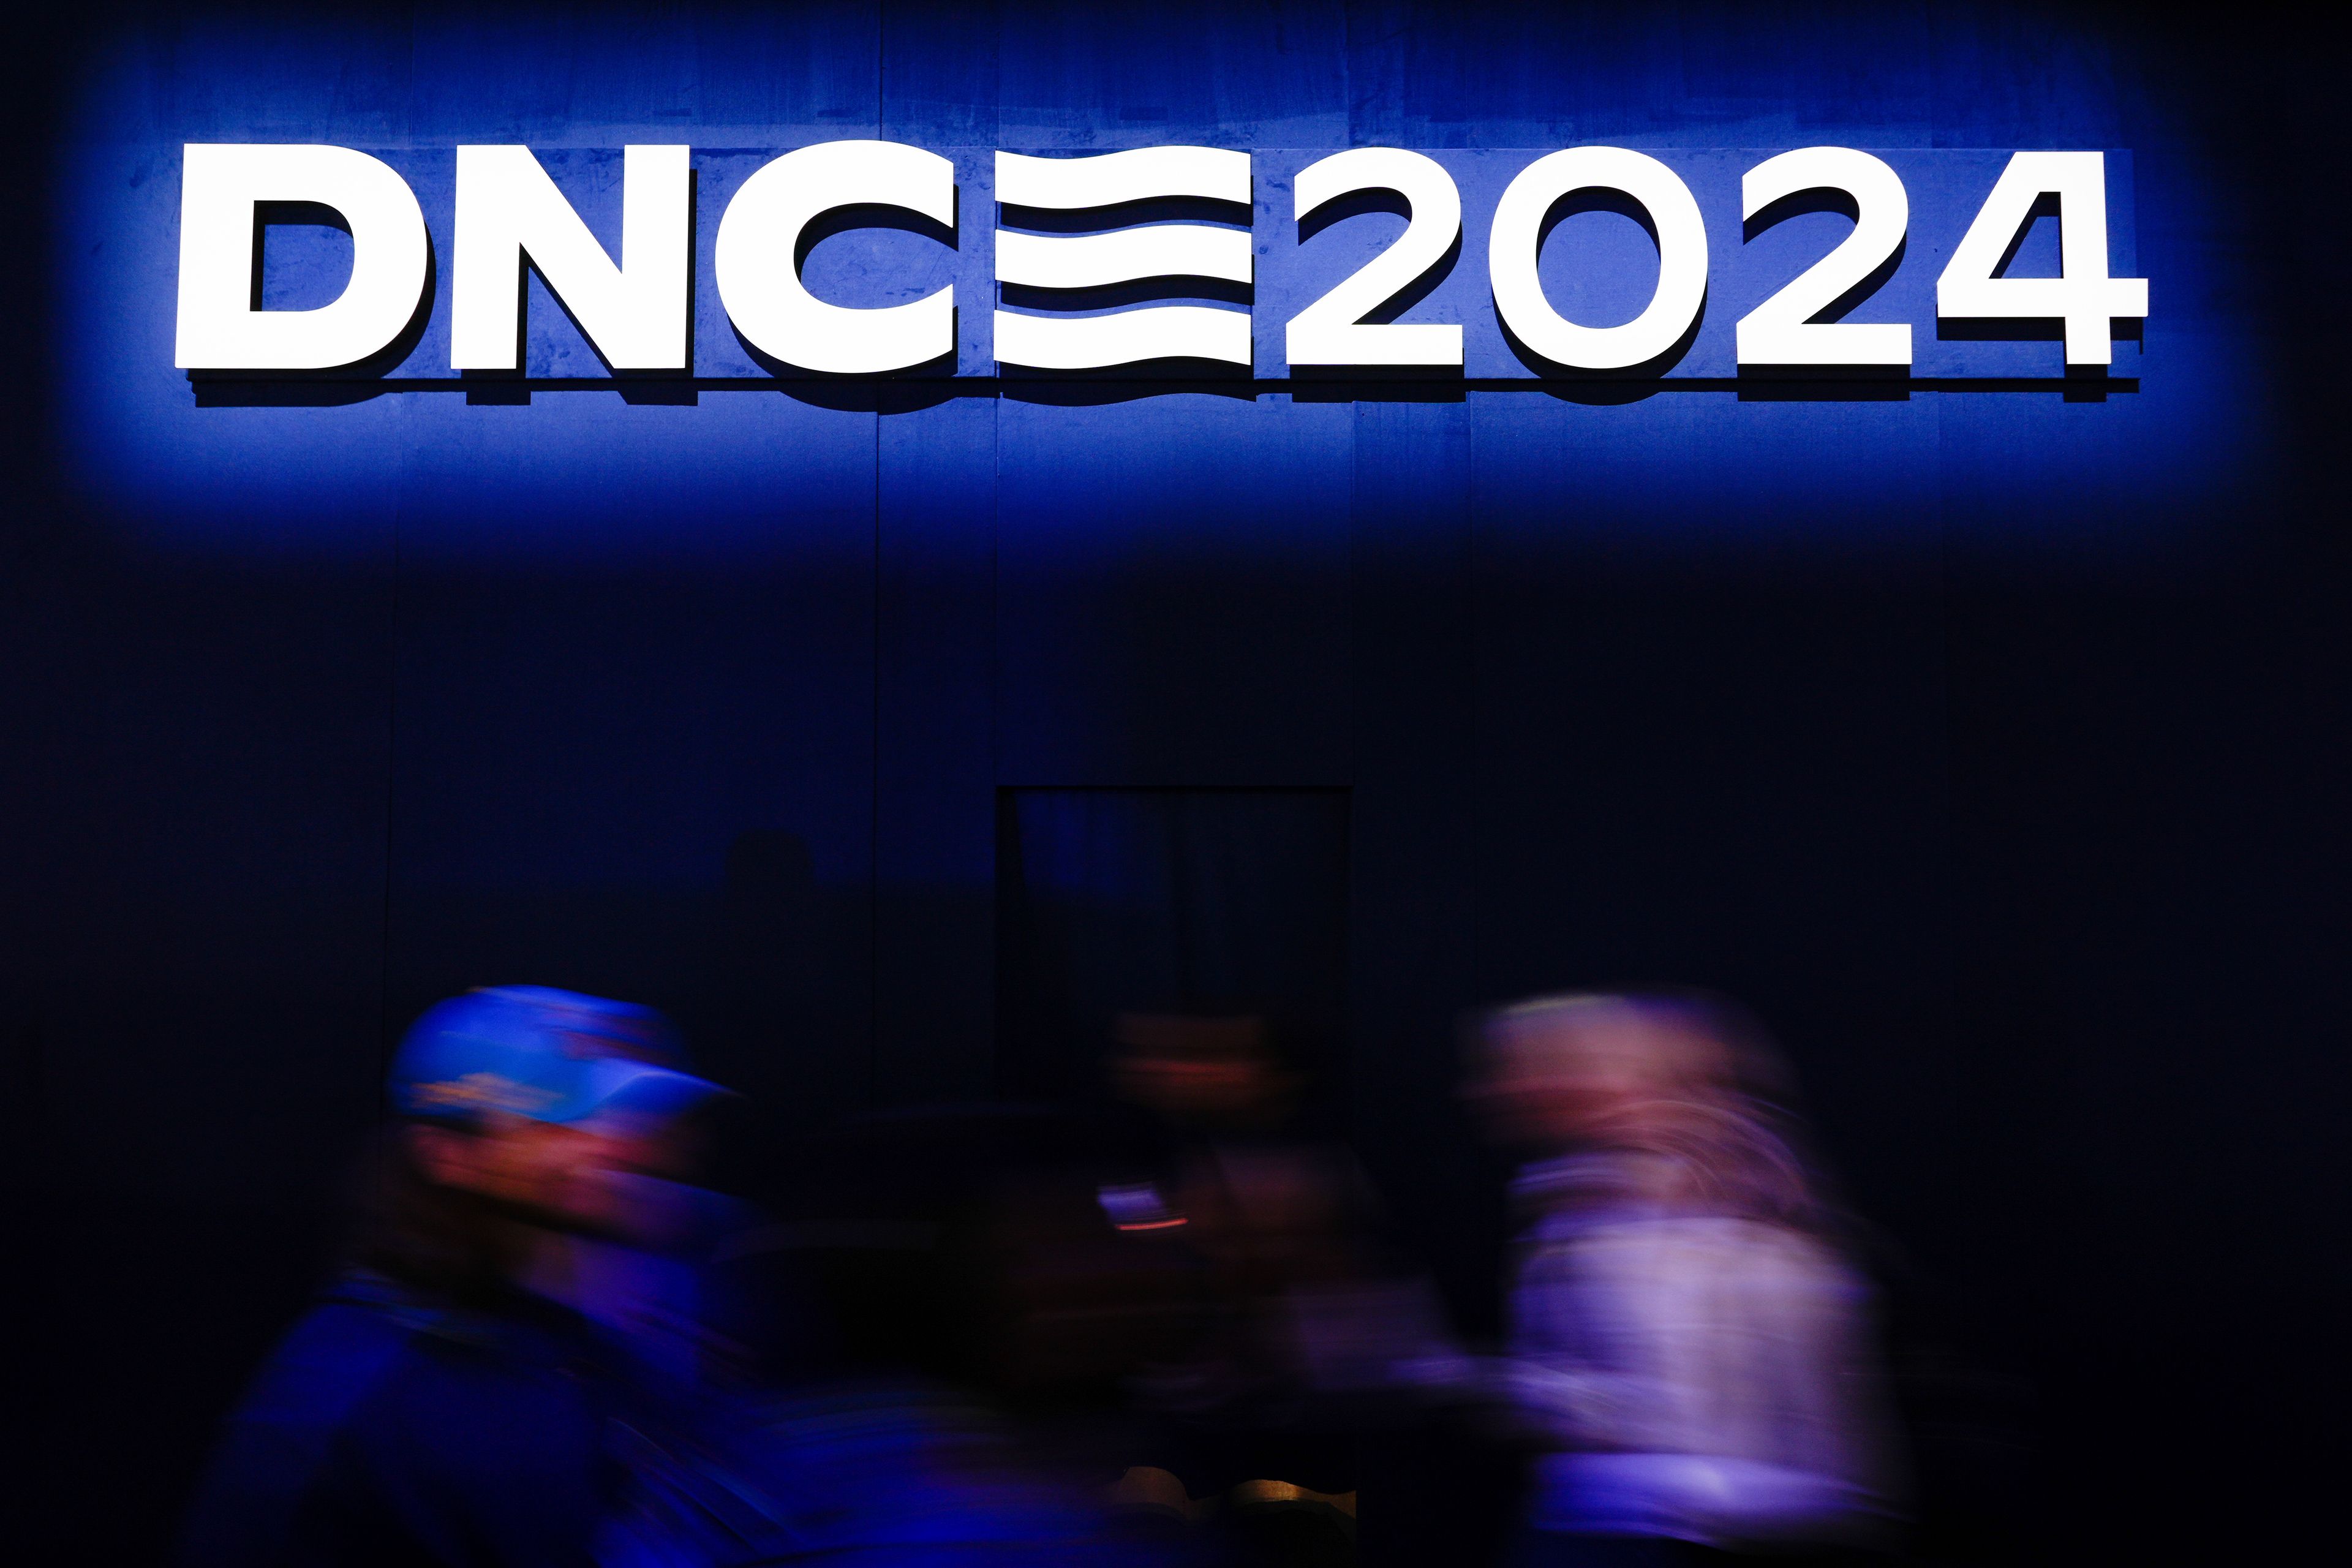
(1704, 1376)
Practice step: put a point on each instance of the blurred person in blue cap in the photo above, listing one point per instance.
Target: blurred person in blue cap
(506, 1296)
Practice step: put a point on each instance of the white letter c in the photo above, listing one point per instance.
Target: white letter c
(760, 283)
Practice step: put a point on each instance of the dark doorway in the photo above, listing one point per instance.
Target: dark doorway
(1168, 900)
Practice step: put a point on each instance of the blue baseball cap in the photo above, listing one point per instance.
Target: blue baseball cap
(544, 1055)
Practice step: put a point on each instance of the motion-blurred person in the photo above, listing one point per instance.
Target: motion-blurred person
(1688, 1338)
(1286, 1221)
(1311, 1336)
(448, 1400)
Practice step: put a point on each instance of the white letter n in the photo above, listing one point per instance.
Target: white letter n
(634, 314)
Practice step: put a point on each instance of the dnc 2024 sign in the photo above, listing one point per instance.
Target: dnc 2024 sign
(1080, 245)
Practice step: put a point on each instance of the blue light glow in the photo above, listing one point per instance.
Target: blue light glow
(737, 471)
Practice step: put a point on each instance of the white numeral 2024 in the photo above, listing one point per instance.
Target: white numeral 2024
(1783, 330)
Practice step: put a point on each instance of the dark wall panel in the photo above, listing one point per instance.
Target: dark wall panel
(935, 753)
(1172, 592)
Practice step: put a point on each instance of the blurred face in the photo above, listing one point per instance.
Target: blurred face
(1556, 1080)
(586, 1177)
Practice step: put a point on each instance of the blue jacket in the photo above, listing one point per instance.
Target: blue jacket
(392, 1432)
(388, 1429)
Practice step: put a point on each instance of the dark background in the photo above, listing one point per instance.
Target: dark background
(2020, 823)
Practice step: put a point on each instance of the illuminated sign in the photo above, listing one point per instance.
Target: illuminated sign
(1082, 229)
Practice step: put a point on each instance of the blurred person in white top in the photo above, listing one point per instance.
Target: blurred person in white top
(1689, 1342)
